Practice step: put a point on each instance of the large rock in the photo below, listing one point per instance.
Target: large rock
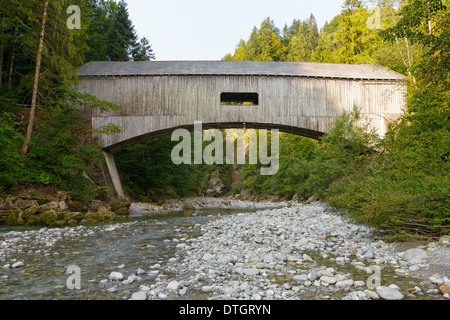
(312, 199)
(120, 206)
(49, 217)
(445, 288)
(78, 206)
(33, 221)
(12, 203)
(414, 255)
(188, 206)
(73, 218)
(49, 206)
(444, 241)
(15, 219)
(216, 187)
(27, 213)
(20, 218)
(99, 216)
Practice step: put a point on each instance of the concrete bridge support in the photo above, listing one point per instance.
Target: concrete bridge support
(114, 174)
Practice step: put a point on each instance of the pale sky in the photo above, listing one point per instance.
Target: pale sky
(209, 29)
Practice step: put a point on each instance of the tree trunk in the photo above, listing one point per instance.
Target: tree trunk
(11, 69)
(1, 64)
(36, 82)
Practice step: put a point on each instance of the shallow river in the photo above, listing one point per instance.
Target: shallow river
(138, 242)
(135, 246)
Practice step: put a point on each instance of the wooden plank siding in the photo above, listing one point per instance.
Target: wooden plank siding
(157, 104)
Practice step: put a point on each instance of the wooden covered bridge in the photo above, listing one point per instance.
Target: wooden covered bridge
(294, 97)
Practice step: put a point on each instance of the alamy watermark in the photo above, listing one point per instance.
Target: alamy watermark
(248, 143)
(74, 280)
(374, 280)
(374, 21)
(74, 20)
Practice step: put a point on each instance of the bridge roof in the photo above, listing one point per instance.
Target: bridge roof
(238, 68)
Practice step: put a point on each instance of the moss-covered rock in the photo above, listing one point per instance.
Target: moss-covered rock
(99, 216)
(33, 221)
(49, 206)
(60, 223)
(73, 217)
(49, 217)
(27, 213)
(188, 206)
(77, 206)
(121, 206)
(15, 219)
(121, 211)
(72, 222)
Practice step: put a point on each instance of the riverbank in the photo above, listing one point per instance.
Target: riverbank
(258, 251)
(305, 251)
(61, 211)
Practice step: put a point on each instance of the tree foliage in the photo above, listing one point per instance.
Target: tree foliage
(61, 151)
(400, 182)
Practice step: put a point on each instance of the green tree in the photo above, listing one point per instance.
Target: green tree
(353, 38)
(427, 24)
(112, 36)
(11, 163)
(143, 51)
(121, 34)
(61, 152)
(303, 41)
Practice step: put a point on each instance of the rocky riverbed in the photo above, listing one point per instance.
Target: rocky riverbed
(222, 249)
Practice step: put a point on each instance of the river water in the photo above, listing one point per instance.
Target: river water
(98, 250)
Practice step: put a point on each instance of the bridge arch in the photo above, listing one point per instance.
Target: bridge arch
(206, 126)
(295, 97)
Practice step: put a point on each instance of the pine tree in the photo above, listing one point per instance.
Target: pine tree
(143, 51)
(272, 49)
(121, 34)
(98, 19)
(303, 43)
(36, 82)
(353, 36)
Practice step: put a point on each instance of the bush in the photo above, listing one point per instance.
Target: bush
(11, 163)
(59, 153)
(405, 189)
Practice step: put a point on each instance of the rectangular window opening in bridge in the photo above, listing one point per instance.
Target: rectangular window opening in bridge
(239, 98)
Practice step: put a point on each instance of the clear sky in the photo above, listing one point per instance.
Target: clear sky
(209, 29)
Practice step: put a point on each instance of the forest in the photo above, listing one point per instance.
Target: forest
(400, 182)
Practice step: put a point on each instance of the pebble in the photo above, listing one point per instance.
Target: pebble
(209, 288)
(344, 284)
(173, 285)
(328, 280)
(371, 294)
(140, 295)
(300, 277)
(389, 293)
(112, 289)
(17, 264)
(115, 276)
(140, 271)
(182, 291)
